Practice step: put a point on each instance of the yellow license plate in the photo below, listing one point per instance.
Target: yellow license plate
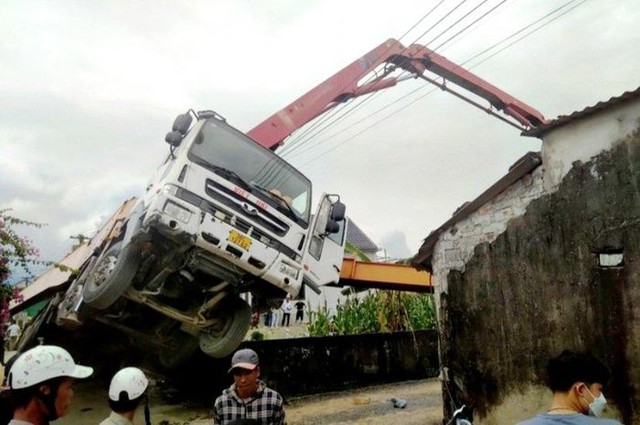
(242, 241)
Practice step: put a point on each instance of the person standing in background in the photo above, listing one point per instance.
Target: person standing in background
(300, 305)
(275, 315)
(13, 333)
(286, 310)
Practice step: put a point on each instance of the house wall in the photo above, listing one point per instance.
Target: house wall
(455, 246)
(581, 140)
(521, 279)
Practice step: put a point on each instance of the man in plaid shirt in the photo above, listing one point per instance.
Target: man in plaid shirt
(248, 397)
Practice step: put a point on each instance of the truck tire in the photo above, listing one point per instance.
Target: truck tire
(235, 318)
(111, 276)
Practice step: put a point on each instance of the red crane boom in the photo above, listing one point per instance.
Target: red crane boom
(415, 59)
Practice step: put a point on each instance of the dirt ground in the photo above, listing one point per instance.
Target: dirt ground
(369, 405)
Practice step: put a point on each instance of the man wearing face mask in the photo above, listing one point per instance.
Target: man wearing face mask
(577, 381)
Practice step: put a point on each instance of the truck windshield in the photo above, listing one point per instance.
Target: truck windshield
(222, 146)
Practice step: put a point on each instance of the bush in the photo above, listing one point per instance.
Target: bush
(257, 336)
(15, 251)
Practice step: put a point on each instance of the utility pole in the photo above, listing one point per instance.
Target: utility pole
(81, 240)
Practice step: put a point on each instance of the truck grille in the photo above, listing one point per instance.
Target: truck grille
(236, 222)
(234, 201)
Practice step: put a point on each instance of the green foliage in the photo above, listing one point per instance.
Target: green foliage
(15, 251)
(379, 311)
(352, 249)
(421, 311)
(320, 322)
(257, 336)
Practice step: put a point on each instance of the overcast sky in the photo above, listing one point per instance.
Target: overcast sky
(89, 89)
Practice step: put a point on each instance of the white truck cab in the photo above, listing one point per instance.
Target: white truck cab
(222, 216)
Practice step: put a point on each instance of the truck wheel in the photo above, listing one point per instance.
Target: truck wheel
(179, 347)
(235, 318)
(111, 276)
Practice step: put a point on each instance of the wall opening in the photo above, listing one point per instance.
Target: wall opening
(611, 259)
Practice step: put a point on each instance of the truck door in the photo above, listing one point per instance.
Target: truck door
(324, 251)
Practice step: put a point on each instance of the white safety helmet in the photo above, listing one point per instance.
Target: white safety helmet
(131, 380)
(43, 363)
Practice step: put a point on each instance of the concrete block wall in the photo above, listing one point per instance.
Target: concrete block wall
(515, 292)
(455, 246)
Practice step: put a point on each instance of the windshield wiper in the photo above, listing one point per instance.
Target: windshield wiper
(229, 174)
(282, 204)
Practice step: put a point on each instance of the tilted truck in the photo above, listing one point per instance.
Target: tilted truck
(224, 215)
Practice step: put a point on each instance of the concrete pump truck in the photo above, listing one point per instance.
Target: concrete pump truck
(225, 215)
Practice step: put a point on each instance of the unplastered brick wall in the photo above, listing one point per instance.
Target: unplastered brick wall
(455, 246)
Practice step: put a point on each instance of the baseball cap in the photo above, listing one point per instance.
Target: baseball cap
(244, 359)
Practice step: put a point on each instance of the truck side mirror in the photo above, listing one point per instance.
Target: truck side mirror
(338, 211)
(174, 138)
(182, 123)
(332, 227)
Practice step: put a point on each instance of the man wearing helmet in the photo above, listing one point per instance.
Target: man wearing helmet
(41, 384)
(248, 397)
(126, 392)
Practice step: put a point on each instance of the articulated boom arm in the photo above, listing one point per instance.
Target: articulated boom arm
(415, 59)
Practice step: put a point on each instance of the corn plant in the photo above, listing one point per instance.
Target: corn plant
(320, 322)
(379, 311)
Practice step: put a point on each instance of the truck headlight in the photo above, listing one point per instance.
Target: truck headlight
(287, 270)
(177, 211)
(170, 189)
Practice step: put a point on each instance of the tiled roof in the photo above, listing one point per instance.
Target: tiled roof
(357, 237)
(525, 165)
(590, 110)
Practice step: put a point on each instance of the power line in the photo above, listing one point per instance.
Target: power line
(528, 34)
(369, 97)
(440, 20)
(426, 94)
(402, 97)
(328, 116)
(388, 105)
(456, 22)
(469, 26)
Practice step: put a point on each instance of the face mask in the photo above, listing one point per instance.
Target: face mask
(597, 405)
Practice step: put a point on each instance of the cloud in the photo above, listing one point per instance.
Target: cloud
(88, 91)
(395, 245)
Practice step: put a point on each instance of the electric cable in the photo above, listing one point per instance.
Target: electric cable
(528, 34)
(294, 142)
(435, 89)
(439, 21)
(288, 153)
(306, 142)
(463, 17)
(469, 26)
(299, 143)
